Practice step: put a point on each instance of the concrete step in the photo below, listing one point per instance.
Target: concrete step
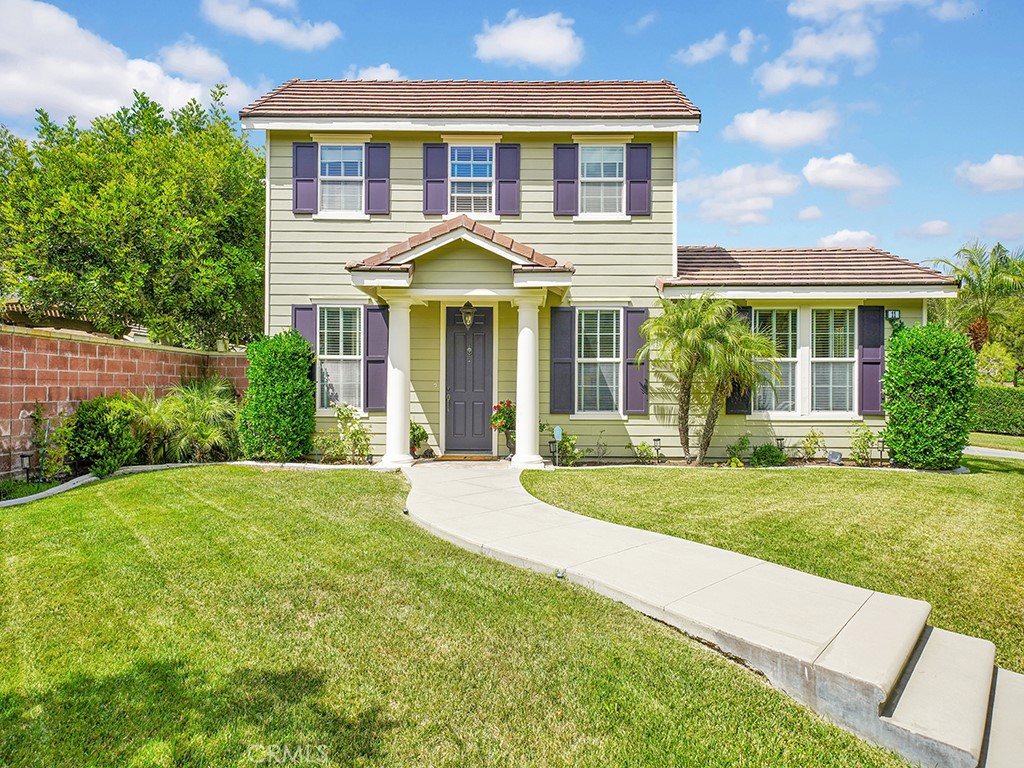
(939, 709)
(1004, 741)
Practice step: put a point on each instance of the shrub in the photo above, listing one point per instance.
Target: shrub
(813, 443)
(417, 436)
(329, 448)
(862, 441)
(201, 420)
(354, 436)
(278, 414)
(995, 364)
(998, 409)
(150, 423)
(503, 417)
(643, 453)
(568, 454)
(101, 437)
(929, 382)
(737, 449)
(52, 440)
(767, 455)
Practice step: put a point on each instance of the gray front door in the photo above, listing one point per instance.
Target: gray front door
(468, 382)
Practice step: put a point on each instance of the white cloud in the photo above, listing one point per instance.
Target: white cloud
(848, 238)
(379, 72)
(934, 228)
(826, 10)
(1008, 226)
(740, 52)
(810, 213)
(641, 23)
(740, 195)
(848, 38)
(702, 51)
(865, 184)
(50, 62)
(782, 130)
(953, 10)
(780, 75)
(997, 174)
(242, 18)
(547, 41)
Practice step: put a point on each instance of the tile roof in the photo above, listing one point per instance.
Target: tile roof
(383, 260)
(475, 98)
(713, 265)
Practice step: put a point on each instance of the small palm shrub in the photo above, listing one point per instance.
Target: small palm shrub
(150, 423)
(201, 420)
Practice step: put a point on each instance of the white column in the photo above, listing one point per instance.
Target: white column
(527, 387)
(396, 450)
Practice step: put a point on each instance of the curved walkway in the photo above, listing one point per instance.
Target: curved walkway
(866, 660)
(996, 453)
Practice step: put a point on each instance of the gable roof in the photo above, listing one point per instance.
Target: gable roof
(526, 258)
(712, 265)
(474, 98)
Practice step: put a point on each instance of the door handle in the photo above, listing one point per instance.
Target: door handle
(448, 399)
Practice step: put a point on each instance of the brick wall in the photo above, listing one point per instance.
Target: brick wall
(60, 369)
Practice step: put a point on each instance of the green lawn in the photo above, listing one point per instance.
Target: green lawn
(1005, 442)
(956, 541)
(202, 616)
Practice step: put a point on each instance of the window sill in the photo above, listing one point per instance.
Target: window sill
(340, 216)
(814, 416)
(473, 216)
(327, 413)
(598, 416)
(602, 217)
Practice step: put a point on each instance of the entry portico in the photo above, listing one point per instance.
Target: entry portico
(467, 271)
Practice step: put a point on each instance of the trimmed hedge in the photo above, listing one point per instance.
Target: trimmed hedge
(930, 375)
(999, 410)
(101, 435)
(278, 414)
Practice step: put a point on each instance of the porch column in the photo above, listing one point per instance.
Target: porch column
(396, 447)
(527, 386)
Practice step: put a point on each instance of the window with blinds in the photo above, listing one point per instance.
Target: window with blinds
(471, 179)
(340, 356)
(780, 326)
(833, 354)
(602, 179)
(598, 360)
(341, 178)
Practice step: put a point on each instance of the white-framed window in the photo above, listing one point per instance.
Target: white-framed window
(341, 178)
(339, 356)
(780, 325)
(471, 179)
(602, 180)
(833, 358)
(598, 360)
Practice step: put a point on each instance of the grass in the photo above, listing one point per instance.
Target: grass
(16, 489)
(208, 616)
(953, 540)
(1004, 442)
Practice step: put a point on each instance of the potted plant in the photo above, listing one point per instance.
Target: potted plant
(417, 436)
(503, 419)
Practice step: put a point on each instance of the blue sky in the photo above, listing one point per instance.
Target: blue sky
(846, 122)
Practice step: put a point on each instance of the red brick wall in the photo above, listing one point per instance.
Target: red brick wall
(60, 369)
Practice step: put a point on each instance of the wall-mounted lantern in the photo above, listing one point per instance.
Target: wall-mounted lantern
(468, 312)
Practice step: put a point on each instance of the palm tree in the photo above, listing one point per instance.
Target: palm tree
(987, 278)
(680, 340)
(203, 417)
(742, 360)
(150, 421)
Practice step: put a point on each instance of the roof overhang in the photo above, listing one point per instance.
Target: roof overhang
(674, 290)
(471, 125)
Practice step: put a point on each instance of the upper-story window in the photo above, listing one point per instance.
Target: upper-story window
(602, 179)
(833, 353)
(780, 326)
(471, 179)
(341, 178)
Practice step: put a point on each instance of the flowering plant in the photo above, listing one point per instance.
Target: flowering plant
(503, 417)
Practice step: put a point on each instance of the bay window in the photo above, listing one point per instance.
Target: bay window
(598, 360)
(602, 179)
(339, 356)
(780, 326)
(833, 355)
(471, 179)
(341, 178)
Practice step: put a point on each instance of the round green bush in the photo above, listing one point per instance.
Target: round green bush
(929, 382)
(767, 455)
(101, 435)
(278, 414)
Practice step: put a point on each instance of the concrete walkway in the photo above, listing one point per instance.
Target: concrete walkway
(866, 660)
(995, 453)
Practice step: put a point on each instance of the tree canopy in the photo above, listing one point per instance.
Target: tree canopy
(143, 218)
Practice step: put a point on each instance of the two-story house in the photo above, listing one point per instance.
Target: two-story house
(446, 245)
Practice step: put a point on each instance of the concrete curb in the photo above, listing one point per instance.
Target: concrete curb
(958, 471)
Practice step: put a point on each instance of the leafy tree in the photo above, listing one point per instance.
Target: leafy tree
(143, 218)
(988, 277)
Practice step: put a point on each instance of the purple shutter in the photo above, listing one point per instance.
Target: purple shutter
(871, 345)
(740, 402)
(563, 360)
(566, 179)
(435, 178)
(375, 358)
(638, 179)
(304, 176)
(378, 178)
(634, 399)
(506, 176)
(304, 321)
